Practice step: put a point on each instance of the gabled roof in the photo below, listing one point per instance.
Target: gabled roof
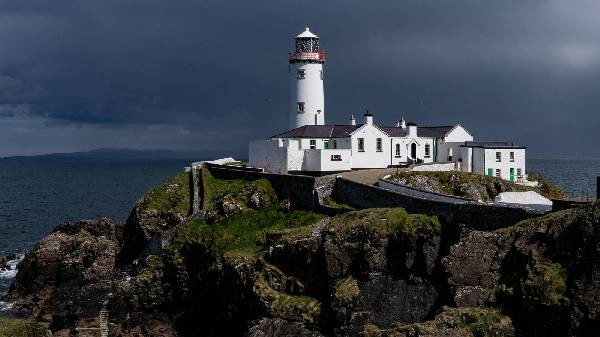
(343, 131)
(319, 131)
(493, 145)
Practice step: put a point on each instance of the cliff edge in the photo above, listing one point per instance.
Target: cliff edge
(253, 264)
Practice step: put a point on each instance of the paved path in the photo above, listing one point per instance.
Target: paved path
(370, 176)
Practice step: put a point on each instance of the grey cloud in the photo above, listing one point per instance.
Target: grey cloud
(506, 69)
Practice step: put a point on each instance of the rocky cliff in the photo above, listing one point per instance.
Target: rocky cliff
(252, 265)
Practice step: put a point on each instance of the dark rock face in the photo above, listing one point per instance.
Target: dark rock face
(364, 273)
(268, 327)
(68, 275)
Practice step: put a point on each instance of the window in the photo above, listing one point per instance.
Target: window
(498, 173)
(326, 144)
(301, 74)
(519, 173)
(313, 143)
(335, 143)
(498, 157)
(397, 150)
(427, 151)
(512, 156)
(450, 154)
(361, 145)
(321, 71)
(300, 106)
(379, 145)
(336, 157)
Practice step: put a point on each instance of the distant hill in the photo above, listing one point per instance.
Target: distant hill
(125, 154)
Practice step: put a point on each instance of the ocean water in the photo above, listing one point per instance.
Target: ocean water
(574, 176)
(37, 195)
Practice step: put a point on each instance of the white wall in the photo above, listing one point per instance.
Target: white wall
(308, 90)
(268, 155)
(276, 156)
(320, 160)
(453, 140)
(436, 167)
(405, 149)
(370, 158)
(505, 164)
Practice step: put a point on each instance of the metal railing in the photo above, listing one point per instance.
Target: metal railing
(319, 56)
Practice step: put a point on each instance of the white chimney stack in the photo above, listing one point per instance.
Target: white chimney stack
(352, 120)
(403, 123)
(412, 129)
(368, 117)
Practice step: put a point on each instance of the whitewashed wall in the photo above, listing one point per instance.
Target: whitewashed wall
(268, 155)
(320, 160)
(453, 140)
(370, 158)
(436, 167)
(505, 164)
(308, 90)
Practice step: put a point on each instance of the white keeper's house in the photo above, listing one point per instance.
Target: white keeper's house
(313, 147)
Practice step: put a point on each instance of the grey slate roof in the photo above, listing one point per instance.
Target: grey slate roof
(343, 131)
(493, 145)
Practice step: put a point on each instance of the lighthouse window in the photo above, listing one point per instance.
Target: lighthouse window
(301, 74)
(321, 72)
(300, 106)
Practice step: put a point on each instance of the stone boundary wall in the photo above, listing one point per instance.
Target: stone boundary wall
(474, 215)
(418, 193)
(299, 189)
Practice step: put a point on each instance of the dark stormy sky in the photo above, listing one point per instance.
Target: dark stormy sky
(201, 75)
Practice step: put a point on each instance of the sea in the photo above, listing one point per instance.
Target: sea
(37, 195)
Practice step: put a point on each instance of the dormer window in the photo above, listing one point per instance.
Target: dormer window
(300, 106)
(301, 74)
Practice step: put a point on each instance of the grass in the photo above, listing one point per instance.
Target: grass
(476, 322)
(244, 232)
(451, 183)
(216, 189)
(13, 327)
(346, 290)
(172, 196)
(545, 283)
(547, 189)
(329, 201)
(386, 221)
(298, 308)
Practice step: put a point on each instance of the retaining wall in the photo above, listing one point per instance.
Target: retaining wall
(474, 215)
(299, 189)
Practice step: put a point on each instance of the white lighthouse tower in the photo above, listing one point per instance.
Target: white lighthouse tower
(306, 78)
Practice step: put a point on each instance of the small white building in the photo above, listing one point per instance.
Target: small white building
(501, 159)
(311, 146)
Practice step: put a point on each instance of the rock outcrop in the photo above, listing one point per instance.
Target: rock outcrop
(269, 270)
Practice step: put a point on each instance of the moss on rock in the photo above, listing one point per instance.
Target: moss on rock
(14, 327)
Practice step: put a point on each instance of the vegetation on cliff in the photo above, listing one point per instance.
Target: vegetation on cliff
(14, 327)
(253, 265)
(470, 185)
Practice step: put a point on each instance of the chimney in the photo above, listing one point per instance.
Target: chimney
(368, 117)
(352, 120)
(401, 123)
(412, 129)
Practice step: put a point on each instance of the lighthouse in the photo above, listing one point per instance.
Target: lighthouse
(306, 78)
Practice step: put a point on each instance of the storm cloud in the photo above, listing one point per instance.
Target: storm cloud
(195, 75)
